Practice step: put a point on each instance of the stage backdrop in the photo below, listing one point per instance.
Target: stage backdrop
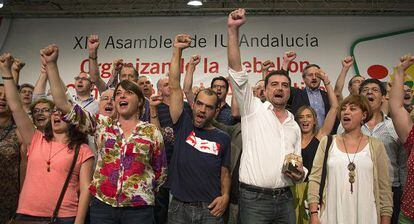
(376, 43)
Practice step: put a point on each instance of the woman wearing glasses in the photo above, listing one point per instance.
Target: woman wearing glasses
(50, 156)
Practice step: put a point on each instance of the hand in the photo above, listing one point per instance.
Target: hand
(314, 219)
(194, 60)
(182, 41)
(118, 64)
(155, 100)
(93, 42)
(289, 56)
(6, 61)
(50, 53)
(17, 65)
(236, 18)
(347, 62)
(267, 64)
(296, 176)
(405, 62)
(323, 76)
(219, 205)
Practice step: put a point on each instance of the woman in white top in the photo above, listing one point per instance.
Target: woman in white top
(356, 189)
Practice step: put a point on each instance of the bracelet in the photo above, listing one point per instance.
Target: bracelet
(7, 77)
(93, 58)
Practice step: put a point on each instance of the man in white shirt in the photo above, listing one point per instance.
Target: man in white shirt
(269, 133)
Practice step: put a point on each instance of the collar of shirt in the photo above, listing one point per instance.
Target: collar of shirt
(76, 98)
(269, 106)
(313, 92)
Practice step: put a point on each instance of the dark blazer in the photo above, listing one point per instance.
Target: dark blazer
(299, 97)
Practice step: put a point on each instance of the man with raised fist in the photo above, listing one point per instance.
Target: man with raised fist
(199, 176)
(269, 134)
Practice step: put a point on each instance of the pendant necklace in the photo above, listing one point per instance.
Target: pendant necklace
(351, 164)
(51, 156)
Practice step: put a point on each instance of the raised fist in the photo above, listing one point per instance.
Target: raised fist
(118, 64)
(155, 100)
(93, 42)
(17, 65)
(195, 59)
(289, 56)
(6, 61)
(236, 18)
(182, 41)
(50, 53)
(406, 61)
(267, 64)
(347, 62)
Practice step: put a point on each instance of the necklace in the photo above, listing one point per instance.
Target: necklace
(351, 164)
(51, 156)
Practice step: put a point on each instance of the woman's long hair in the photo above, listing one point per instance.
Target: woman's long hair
(75, 137)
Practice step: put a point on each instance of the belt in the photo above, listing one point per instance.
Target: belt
(198, 204)
(268, 191)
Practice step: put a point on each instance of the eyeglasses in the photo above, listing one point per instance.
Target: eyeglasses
(77, 78)
(218, 87)
(43, 110)
(56, 110)
(374, 90)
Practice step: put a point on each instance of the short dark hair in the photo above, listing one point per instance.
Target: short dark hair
(221, 78)
(279, 73)
(352, 79)
(308, 67)
(375, 81)
(131, 86)
(24, 85)
(136, 74)
(209, 92)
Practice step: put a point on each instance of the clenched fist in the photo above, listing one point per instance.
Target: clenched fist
(405, 62)
(347, 62)
(118, 64)
(6, 61)
(236, 18)
(93, 42)
(50, 53)
(182, 41)
(267, 64)
(289, 56)
(17, 65)
(195, 59)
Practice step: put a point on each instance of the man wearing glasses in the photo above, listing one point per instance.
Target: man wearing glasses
(220, 85)
(83, 97)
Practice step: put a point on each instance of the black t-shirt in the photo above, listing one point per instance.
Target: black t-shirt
(195, 167)
(166, 123)
(308, 154)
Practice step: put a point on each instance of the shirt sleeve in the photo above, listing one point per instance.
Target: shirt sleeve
(243, 93)
(85, 153)
(159, 159)
(226, 160)
(82, 119)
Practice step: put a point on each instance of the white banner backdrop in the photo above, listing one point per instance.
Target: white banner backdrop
(146, 43)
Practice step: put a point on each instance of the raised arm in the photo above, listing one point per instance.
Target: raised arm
(93, 45)
(50, 55)
(154, 101)
(16, 68)
(23, 122)
(340, 82)
(400, 116)
(265, 68)
(236, 19)
(39, 90)
(330, 118)
(188, 78)
(181, 42)
(116, 69)
(288, 57)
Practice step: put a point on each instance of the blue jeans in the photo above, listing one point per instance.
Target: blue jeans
(183, 213)
(261, 208)
(102, 213)
(22, 217)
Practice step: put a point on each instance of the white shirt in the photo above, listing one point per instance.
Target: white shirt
(266, 141)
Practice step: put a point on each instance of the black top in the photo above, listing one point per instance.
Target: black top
(308, 154)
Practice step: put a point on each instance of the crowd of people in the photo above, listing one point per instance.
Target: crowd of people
(182, 154)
